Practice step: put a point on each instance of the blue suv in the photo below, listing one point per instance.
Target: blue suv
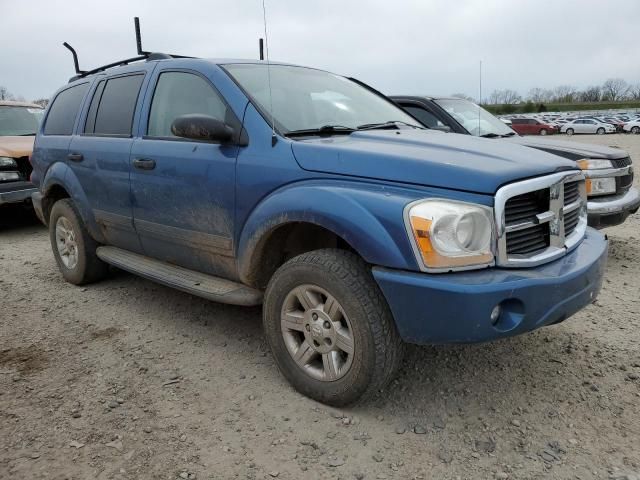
(357, 228)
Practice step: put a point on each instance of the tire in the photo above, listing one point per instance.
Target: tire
(360, 313)
(569, 131)
(543, 131)
(600, 131)
(635, 130)
(67, 233)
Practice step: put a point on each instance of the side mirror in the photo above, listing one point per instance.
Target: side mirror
(442, 128)
(196, 126)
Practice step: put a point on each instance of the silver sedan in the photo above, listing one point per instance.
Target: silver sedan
(587, 125)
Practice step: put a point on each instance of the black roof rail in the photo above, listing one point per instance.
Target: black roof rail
(142, 55)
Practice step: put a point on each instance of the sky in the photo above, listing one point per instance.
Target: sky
(399, 47)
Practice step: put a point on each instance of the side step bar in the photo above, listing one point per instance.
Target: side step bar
(195, 283)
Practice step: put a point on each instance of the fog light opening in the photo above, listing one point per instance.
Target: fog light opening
(507, 315)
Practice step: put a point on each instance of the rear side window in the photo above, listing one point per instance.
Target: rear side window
(112, 107)
(63, 111)
(425, 117)
(181, 93)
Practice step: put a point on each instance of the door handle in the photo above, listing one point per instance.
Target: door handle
(144, 163)
(75, 157)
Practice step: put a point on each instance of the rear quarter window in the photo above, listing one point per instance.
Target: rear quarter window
(62, 113)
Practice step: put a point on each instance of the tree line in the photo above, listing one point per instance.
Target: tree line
(5, 94)
(612, 90)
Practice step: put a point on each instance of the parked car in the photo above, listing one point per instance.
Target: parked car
(532, 126)
(611, 197)
(632, 126)
(619, 124)
(587, 125)
(18, 125)
(246, 182)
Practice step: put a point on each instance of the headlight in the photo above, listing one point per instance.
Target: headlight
(450, 235)
(598, 185)
(7, 162)
(594, 164)
(4, 176)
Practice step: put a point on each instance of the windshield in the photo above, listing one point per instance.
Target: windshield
(19, 120)
(308, 99)
(476, 120)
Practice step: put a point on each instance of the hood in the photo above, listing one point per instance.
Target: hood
(423, 157)
(570, 150)
(16, 147)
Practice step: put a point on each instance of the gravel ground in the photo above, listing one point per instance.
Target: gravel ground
(129, 379)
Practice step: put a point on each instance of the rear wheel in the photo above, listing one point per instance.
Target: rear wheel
(635, 130)
(73, 247)
(570, 131)
(543, 131)
(600, 131)
(329, 327)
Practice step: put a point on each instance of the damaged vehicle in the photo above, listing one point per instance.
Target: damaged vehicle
(609, 171)
(18, 126)
(357, 229)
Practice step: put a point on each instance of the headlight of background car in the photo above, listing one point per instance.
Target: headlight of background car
(450, 235)
(7, 162)
(597, 185)
(4, 176)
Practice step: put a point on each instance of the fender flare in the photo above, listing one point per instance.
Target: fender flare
(60, 174)
(365, 216)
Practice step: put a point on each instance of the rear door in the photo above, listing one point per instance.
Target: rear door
(518, 125)
(588, 126)
(99, 156)
(184, 190)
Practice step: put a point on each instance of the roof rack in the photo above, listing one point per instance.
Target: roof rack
(142, 55)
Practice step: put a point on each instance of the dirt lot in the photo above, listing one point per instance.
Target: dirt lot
(128, 379)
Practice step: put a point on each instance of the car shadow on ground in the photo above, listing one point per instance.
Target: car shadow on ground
(14, 218)
(437, 381)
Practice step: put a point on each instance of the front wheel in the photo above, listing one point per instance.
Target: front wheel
(329, 327)
(600, 131)
(635, 130)
(73, 247)
(570, 131)
(543, 131)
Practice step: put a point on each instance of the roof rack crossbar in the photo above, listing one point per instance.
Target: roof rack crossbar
(136, 23)
(142, 55)
(75, 58)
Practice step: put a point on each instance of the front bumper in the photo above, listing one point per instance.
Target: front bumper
(14, 192)
(457, 307)
(609, 211)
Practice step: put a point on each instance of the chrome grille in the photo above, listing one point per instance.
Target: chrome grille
(571, 192)
(540, 219)
(621, 162)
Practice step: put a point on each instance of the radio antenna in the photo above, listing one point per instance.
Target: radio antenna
(480, 99)
(274, 139)
(261, 48)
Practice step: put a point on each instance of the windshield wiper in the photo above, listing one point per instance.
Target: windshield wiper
(490, 135)
(510, 134)
(27, 135)
(324, 130)
(387, 125)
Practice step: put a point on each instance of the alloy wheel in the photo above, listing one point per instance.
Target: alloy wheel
(66, 243)
(317, 333)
